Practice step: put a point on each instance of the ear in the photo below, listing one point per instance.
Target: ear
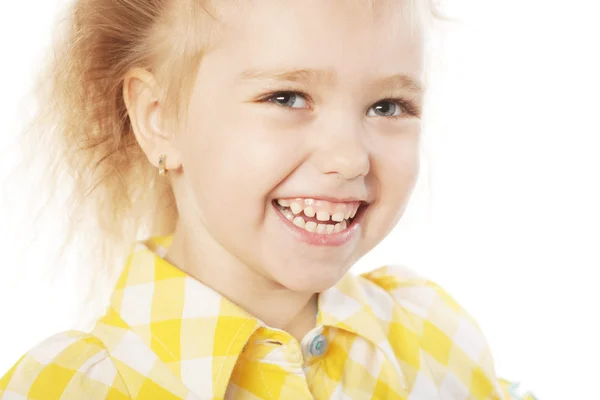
(142, 97)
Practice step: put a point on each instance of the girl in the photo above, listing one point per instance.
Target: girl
(259, 148)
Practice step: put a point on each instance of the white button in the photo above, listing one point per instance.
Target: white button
(318, 345)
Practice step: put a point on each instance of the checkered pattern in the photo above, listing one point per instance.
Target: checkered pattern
(64, 366)
(390, 335)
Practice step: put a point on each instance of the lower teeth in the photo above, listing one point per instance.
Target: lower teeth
(313, 227)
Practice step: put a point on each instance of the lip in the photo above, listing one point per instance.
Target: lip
(328, 198)
(318, 239)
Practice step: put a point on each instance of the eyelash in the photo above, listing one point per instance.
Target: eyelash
(409, 106)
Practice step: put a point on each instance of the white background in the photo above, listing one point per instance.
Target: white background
(506, 217)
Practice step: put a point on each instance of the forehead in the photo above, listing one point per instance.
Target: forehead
(347, 37)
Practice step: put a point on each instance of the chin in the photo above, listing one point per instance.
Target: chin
(311, 279)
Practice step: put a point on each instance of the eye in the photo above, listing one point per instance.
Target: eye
(289, 99)
(394, 108)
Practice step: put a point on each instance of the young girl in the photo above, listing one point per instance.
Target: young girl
(259, 149)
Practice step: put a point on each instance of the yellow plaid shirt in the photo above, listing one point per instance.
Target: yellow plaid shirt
(387, 334)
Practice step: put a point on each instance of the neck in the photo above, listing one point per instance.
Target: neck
(201, 257)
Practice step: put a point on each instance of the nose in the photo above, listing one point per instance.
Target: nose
(341, 149)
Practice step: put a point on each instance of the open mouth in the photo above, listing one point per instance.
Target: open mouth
(318, 216)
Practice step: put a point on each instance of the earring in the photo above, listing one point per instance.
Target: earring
(162, 169)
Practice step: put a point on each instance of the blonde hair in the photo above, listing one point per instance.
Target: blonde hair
(91, 164)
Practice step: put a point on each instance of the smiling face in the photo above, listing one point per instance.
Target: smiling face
(304, 115)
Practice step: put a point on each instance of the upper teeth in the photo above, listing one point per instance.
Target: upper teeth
(323, 216)
(324, 211)
(295, 210)
(338, 216)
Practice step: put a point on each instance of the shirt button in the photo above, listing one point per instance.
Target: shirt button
(318, 346)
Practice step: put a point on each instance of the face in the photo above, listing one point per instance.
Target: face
(302, 143)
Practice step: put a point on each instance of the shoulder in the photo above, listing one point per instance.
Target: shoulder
(413, 292)
(416, 294)
(438, 330)
(68, 365)
(425, 305)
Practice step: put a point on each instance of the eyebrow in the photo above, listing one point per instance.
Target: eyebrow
(309, 75)
(402, 82)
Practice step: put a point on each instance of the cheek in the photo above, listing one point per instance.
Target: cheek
(233, 164)
(394, 175)
(396, 169)
(244, 145)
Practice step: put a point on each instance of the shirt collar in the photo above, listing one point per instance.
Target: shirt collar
(180, 318)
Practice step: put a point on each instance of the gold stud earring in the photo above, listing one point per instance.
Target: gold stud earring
(162, 169)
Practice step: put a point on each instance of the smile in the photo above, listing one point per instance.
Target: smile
(321, 222)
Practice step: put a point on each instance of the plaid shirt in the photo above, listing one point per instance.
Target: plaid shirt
(387, 334)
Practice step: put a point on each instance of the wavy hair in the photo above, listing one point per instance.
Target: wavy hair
(78, 150)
